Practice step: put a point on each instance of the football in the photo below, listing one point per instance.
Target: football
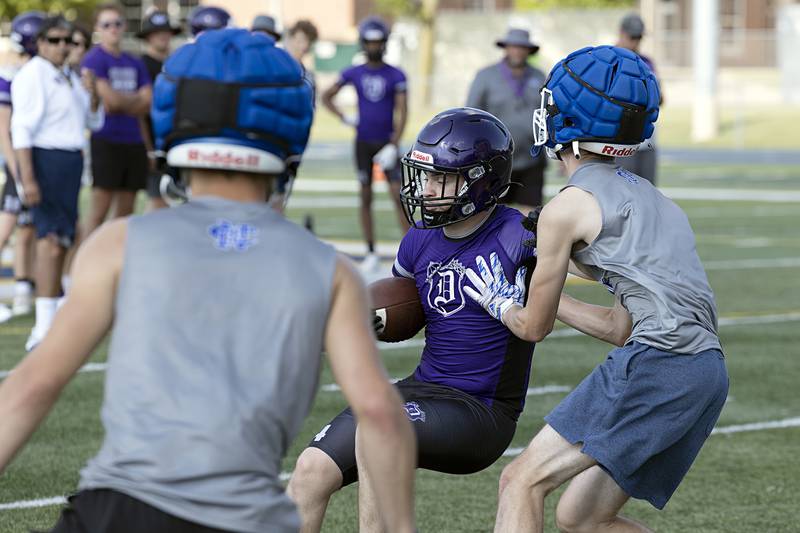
(396, 302)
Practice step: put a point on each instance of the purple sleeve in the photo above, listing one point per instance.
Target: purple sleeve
(400, 84)
(143, 77)
(347, 76)
(404, 262)
(94, 62)
(516, 241)
(5, 92)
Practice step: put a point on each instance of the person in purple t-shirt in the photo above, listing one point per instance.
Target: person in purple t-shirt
(469, 389)
(119, 156)
(381, 90)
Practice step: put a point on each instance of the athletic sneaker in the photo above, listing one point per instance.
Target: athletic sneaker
(5, 313)
(370, 264)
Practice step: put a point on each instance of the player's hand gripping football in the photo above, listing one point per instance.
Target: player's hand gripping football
(492, 290)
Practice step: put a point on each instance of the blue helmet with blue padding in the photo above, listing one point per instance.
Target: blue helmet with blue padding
(600, 99)
(232, 101)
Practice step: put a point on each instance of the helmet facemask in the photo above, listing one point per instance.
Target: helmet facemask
(460, 200)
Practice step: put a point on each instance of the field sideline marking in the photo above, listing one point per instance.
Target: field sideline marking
(510, 452)
(745, 320)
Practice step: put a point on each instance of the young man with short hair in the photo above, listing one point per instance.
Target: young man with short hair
(200, 411)
(119, 155)
(466, 394)
(635, 424)
(52, 109)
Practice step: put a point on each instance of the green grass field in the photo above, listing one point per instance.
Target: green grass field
(742, 482)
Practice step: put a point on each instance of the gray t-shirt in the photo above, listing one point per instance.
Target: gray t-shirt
(645, 253)
(512, 101)
(214, 362)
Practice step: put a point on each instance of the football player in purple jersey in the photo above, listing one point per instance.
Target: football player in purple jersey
(469, 388)
(382, 112)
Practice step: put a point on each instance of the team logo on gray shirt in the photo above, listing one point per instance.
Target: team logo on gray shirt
(227, 235)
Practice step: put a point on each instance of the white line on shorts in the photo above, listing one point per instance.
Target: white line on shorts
(510, 452)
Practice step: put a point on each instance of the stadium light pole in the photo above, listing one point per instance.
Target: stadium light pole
(705, 47)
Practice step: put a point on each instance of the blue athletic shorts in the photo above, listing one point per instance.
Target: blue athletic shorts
(58, 174)
(644, 414)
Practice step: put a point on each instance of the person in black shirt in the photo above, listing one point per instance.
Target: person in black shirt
(157, 33)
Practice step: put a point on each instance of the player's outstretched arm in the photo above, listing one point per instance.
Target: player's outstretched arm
(610, 324)
(30, 391)
(385, 437)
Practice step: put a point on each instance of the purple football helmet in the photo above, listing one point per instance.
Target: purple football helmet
(24, 29)
(373, 29)
(208, 18)
(466, 142)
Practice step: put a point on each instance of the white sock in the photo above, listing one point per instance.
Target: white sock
(23, 288)
(66, 282)
(45, 311)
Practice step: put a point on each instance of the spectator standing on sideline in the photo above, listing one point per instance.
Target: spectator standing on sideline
(14, 213)
(157, 33)
(510, 90)
(119, 156)
(299, 40)
(175, 458)
(52, 108)
(382, 113)
(644, 162)
(266, 24)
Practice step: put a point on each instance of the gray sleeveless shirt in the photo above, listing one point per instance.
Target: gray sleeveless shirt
(645, 253)
(214, 362)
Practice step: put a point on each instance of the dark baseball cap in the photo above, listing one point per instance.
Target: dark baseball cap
(156, 21)
(266, 24)
(632, 25)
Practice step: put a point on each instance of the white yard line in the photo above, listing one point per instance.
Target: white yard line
(510, 452)
(744, 264)
(676, 193)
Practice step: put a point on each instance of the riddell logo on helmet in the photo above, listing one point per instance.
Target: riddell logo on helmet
(619, 152)
(422, 156)
(217, 158)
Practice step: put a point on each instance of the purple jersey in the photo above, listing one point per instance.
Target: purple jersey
(125, 74)
(376, 88)
(465, 347)
(5, 91)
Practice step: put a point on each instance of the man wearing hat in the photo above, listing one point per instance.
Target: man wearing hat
(510, 91)
(157, 33)
(268, 25)
(643, 162)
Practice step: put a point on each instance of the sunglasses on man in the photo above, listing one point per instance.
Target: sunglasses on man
(60, 40)
(111, 24)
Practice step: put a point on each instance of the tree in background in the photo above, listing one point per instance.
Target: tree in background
(71, 9)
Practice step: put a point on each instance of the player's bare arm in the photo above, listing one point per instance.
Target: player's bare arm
(327, 100)
(29, 393)
(5, 139)
(609, 324)
(118, 102)
(400, 116)
(385, 437)
(571, 219)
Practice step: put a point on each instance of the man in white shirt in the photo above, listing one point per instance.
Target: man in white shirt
(52, 108)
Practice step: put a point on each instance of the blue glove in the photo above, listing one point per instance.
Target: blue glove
(492, 290)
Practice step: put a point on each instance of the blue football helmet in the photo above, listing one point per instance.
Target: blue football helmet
(469, 143)
(373, 29)
(204, 18)
(24, 29)
(603, 99)
(232, 100)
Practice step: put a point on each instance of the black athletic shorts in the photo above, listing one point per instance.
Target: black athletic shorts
(107, 511)
(12, 203)
(118, 166)
(526, 186)
(456, 433)
(365, 151)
